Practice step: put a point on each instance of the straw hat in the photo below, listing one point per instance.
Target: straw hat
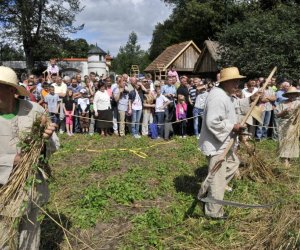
(230, 73)
(257, 114)
(9, 77)
(291, 90)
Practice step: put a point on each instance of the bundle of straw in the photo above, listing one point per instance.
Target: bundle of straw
(292, 133)
(14, 195)
(257, 167)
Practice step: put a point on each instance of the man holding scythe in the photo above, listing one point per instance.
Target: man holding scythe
(219, 126)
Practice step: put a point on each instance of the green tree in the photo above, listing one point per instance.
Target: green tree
(38, 24)
(8, 53)
(75, 48)
(130, 54)
(263, 40)
(195, 20)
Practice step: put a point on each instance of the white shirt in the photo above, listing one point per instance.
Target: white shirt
(137, 102)
(83, 102)
(58, 89)
(246, 93)
(101, 101)
(219, 119)
(160, 101)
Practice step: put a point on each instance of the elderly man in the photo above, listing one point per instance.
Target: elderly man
(17, 117)
(218, 127)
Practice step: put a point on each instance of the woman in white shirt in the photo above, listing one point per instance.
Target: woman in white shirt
(103, 111)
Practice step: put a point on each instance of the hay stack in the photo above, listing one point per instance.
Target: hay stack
(257, 167)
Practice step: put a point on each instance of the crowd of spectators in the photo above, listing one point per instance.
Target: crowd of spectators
(141, 107)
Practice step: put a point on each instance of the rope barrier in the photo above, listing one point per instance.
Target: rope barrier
(158, 124)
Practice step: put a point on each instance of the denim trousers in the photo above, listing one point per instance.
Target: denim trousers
(262, 131)
(160, 119)
(197, 120)
(136, 117)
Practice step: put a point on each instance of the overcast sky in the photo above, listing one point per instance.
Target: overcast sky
(109, 22)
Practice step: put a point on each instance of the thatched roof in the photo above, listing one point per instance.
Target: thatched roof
(213, 49)
(170, 54)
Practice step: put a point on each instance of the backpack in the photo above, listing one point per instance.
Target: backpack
(153, 130)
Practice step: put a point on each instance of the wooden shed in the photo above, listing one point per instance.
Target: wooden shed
(207, 64)
(183, 55)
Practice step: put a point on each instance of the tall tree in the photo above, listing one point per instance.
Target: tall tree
(37, 22)
(195, 20)
(130, 54)
(265, 39)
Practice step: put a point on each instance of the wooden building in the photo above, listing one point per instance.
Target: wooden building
(182, 55)
(207, 64)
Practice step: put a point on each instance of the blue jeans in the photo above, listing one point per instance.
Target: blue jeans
(136, 117)
(160, 119)
(197, 112)
(262, 131)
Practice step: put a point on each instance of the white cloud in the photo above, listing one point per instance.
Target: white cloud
(109, 22)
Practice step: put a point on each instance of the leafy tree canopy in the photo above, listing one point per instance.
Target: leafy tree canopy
(263, 40)
(194, 20)
(38, 24)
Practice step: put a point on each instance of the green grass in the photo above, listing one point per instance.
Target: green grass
(114, 198)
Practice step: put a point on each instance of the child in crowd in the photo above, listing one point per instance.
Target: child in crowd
(69, 108)
(92, 116)
(44, 93)
(181, 114)
(52, 69)
(83, 108)
(52, 104)
(160, 105)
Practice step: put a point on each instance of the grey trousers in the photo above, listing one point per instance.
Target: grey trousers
(218, 182)
(147, 119)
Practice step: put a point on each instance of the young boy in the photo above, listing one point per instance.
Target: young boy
(52, 104)
(160, 105)
(83, 108)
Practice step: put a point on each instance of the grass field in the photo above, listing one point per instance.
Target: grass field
(124, 193)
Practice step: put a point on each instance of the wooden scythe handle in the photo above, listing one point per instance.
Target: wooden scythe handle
(253, 104)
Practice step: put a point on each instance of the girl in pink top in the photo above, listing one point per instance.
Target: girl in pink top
(181, 113)
(172, 72)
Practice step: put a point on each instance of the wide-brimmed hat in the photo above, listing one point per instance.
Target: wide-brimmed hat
(9, 77)
(230, 73)
(291, 90)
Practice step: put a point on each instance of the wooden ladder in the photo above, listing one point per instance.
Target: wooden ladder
(134, 70)
(160, 72)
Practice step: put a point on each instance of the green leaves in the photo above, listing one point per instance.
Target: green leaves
(263, 40)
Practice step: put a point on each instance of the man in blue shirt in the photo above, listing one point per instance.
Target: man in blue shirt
(76, 94)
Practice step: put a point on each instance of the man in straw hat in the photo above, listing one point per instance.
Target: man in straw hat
(16, 117)
(219, 125)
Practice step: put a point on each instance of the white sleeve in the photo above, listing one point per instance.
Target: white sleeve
(216, 119)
